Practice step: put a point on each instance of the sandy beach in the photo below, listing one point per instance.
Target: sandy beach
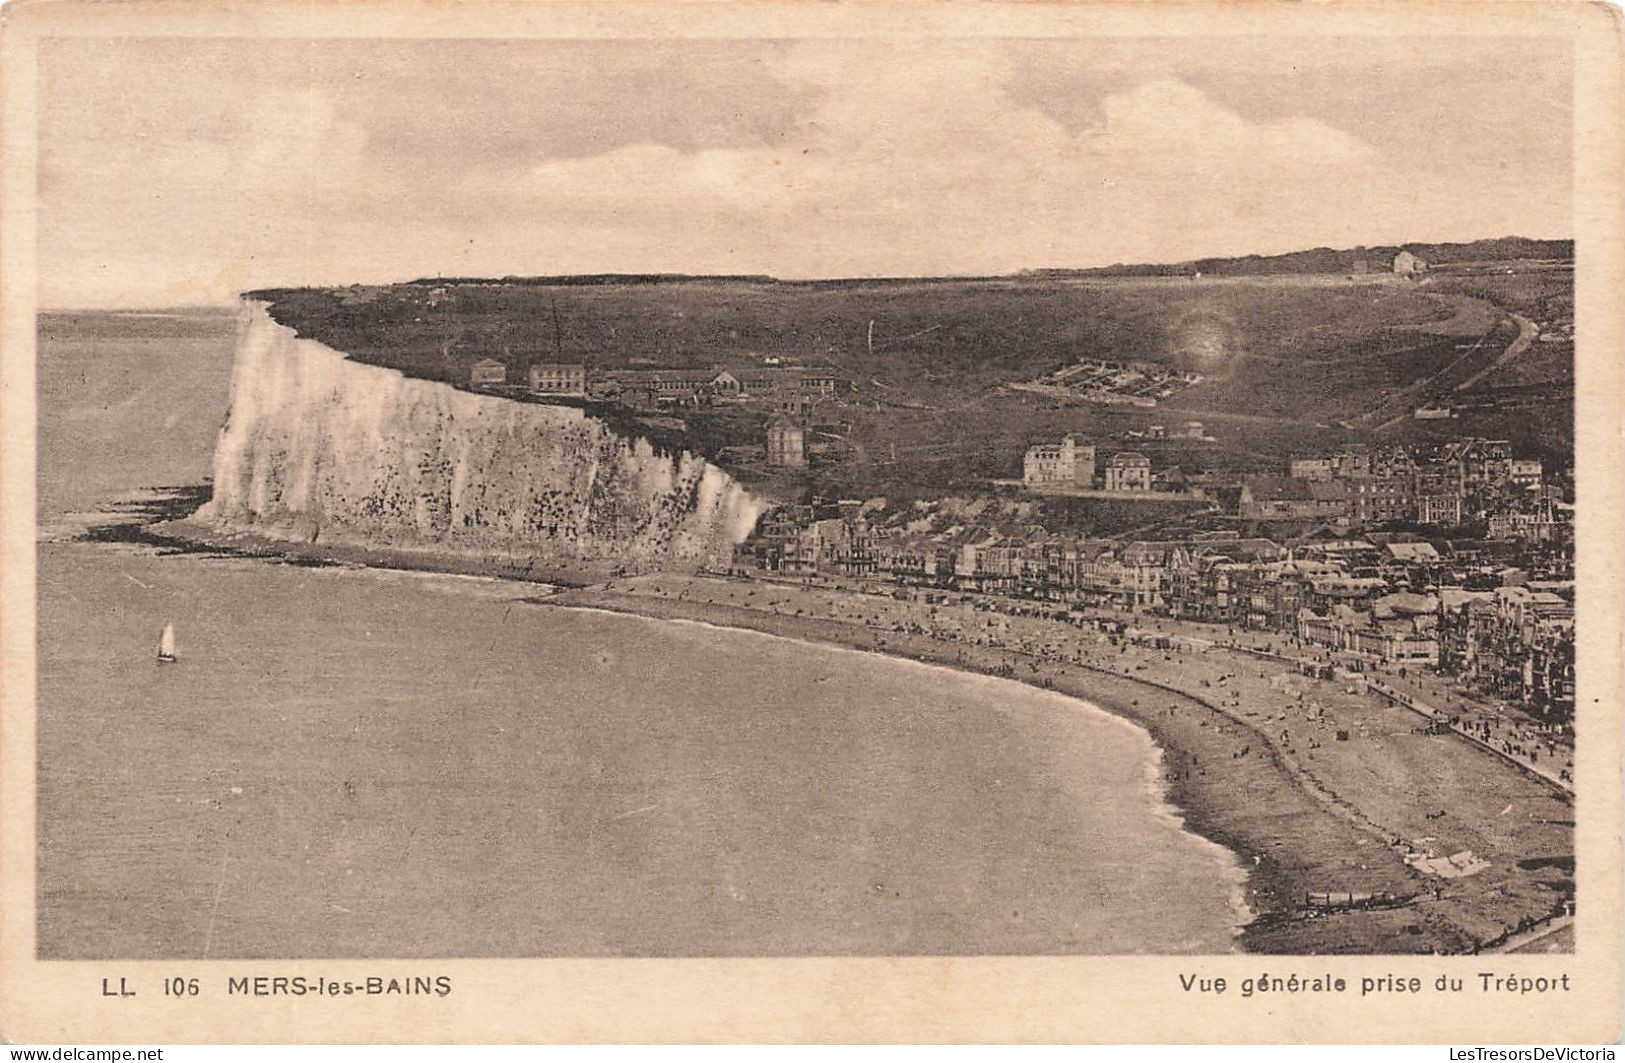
(1252, 753)
(1252, 759)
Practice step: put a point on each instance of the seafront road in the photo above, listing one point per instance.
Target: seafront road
(1427, 711)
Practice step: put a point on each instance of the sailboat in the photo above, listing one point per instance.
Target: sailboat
(166, 646)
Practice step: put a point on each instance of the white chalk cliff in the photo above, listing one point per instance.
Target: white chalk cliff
(319, 446)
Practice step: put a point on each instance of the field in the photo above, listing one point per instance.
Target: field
(932, 340)
(1529, 398)
(1287, 363)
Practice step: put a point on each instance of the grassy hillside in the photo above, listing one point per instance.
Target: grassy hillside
(932, 341)
(1350, 260)
(1289, 362)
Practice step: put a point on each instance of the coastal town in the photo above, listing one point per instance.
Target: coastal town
(1342, 654)
(1300, 528)
(1459, 560)
(1403, 596)
(1454, 556)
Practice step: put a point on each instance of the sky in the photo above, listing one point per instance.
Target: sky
(181, 172)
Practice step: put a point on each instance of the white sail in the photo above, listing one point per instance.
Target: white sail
(166, 643)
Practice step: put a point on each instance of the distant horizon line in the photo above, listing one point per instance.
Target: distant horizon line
(666, 276)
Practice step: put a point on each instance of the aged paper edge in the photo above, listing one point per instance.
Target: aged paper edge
(1092, 999)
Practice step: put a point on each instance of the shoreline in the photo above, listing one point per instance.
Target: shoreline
(1266, 889)
(1159, 790)
(1292, 832)
(1300, 827)
(187, 535)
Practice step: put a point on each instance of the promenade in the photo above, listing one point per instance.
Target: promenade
(1502, 730)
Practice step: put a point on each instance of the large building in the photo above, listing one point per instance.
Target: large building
(558, 378)
(1129, 470)
(774, 384)
(487, 372)
(1067, 462)
(1352, 462)
(1478, 462)
(1143, 566)
(674, 385)
(1403, 637)
(1525, 472)
(1545, 523)
(1290, 498)
(1444, 509)
(1377, 499)
(1317, 468)
(786, 444)
(818, 381)
(1514, 643)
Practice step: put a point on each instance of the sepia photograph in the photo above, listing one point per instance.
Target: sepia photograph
(831, 495)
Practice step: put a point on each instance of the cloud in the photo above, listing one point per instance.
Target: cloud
(298, 139)
(643, 177)
(1161, 122)
(173, 173)
(917, 159)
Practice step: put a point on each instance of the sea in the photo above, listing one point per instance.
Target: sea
(365, 763)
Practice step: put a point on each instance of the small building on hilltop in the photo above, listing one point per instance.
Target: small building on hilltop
(1173, 480)
(1188, 430)
(1408, 265)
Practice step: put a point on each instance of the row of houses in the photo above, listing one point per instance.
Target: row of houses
(1395, 601)
(1354, 487)
(1462, 465)
(1447, 485)
(655, 387)
(1212, 577)
(1514, 642)
(690, 385)
(1099, 572)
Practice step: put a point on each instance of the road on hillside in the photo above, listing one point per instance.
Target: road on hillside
(1527, 331)
(1427, 386)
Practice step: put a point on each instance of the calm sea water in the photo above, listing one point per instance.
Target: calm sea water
(356, 763)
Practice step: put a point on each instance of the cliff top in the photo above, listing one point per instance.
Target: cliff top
(1283, 357)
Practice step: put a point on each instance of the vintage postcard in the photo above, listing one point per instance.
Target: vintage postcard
(811, 522)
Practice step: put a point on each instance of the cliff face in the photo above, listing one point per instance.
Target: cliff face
(319, 446)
